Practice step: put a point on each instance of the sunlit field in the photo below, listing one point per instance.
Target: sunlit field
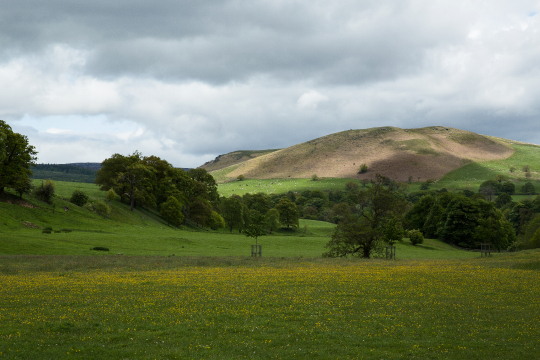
(146, 308)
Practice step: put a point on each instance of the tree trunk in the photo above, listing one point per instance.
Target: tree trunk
(367, 250)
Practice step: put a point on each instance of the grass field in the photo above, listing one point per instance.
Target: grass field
(66, 307)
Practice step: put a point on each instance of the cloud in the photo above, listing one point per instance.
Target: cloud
(190, 80)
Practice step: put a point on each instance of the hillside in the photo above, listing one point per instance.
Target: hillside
(424, 153)
(233, 158)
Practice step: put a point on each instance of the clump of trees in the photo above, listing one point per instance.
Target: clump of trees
(460, 220)
(151, 182)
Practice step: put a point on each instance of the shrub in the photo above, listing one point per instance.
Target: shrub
(363, 169)
(45, 192)
(100, 248)
(78, 198)
(216, 221)
(111, 194)
(102, 209)
(526, 168)
(416, 237)
(314, 177)
(240, 177)
(47, 230)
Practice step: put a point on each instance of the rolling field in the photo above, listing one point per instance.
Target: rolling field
(184, 308)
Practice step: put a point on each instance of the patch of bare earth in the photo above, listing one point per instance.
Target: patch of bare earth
(426, 153)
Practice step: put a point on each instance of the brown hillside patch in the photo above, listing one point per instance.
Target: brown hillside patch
(426, 153)
(233, 158)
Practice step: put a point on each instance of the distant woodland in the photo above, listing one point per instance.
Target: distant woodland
(64, 172)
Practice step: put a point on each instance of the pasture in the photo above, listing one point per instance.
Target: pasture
(72, 307)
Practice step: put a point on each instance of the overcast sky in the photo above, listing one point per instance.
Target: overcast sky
(189, 80)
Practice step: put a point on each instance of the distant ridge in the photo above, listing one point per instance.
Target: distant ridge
(88, 165)
(423, 153)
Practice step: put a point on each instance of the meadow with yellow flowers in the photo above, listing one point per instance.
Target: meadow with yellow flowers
(69, 307)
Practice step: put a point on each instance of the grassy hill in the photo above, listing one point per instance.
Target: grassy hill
(425, 153)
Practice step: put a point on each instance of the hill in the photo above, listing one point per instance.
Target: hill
(424, 153)
(233, 158)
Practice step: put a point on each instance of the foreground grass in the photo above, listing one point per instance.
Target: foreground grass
(230, 308)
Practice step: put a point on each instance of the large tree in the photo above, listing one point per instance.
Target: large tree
(107, 176)
(16, 157)
(359, 234)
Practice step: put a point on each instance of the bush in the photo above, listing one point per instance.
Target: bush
(102, 209)
(240, 177)
(45, 192)
(100, 248)
(47, 230)
(416, 237)
(78, 198)
(314, 177)
(363, 169)
(111, 194)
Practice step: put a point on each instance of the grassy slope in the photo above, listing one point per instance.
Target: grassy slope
(142, 233)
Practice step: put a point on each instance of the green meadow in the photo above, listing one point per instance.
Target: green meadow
(133, 307)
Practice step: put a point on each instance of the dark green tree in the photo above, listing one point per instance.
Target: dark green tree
(288, 212)
(232, 211)
(256, 226)
(16, 157)
(138, 180)
(272, 219)
(502, 200)
(528, 188)
(508, 187)
(171, 211)
(111, 168)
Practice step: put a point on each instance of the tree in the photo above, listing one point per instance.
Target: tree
(314, 177)
(111, 168)
(240, 178)
(16, 157)
(393, 231)
(494, 184)
(45, 192)
(500, 178)
(200, 211)
(528, 188)
(526, 168)
(78, 198)
(22, 184)
(232, 210)
(502, 200)
(488, 192)
(171, 211)
(138, 180)
(360, 234)
(255, 228)
(272, 219)
(508, 187)
(288, 213)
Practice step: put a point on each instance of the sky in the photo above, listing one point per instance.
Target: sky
(190, 80)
